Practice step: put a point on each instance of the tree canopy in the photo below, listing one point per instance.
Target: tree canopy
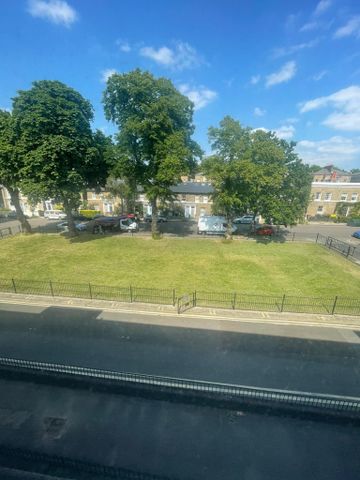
(254, 171)
(61, 155)
(154, 141)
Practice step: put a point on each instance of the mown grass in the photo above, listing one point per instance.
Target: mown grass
(184, 264)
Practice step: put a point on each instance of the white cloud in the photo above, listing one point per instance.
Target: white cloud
(318, 76)
(285, 51)
(285, 132)
(200, 96)
(352, 27)
(337, 150)
(307, 27)
(180, 57)
(286, 72)
(322, 6)
(291, 120)
(123, 46)
(106, 74)
(346, 103)
(56, 11)
(258, 112)
(255, 79)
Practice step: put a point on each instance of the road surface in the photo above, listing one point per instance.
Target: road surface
(315, 359)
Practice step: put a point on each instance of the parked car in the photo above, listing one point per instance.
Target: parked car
(80, 226)
(356, 234)
(121, 223)
(244, 219)
(160, 218)
(265, 230)
(54, 214)
(213, 225)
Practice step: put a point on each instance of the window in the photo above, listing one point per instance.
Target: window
(318, 196)
(320, 210)
(354, 197)
(205, 199)
(343, 197)
(93, 196)
(183, 198)
(328, 197)
(201, 198)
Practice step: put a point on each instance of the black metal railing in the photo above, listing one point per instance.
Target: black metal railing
(90, 291)
(322, 403)
(346, 249)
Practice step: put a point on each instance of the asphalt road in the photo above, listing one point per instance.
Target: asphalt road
(179, 441)
(327, 362)
(183, 228)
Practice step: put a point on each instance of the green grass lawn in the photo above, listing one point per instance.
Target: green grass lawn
(184, 264)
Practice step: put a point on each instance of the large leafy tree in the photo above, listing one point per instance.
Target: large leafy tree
(11, 166)
(60, 153)
(258, 172)
(155, 127)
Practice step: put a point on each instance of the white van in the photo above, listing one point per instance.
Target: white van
(212, 225)
(54, 214)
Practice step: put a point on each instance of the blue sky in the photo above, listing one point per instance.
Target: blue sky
(292, 67)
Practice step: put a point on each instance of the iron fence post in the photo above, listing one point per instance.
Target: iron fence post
(348, 252)
(90, 291)
(131, 294)
(51, 288)
(10, 231)
(282, 303)
(13, 282)
(174, 297)
(194, 299)
(178, 306)
(317, 238)
(330, 244)
(334, 306)
(234, 301)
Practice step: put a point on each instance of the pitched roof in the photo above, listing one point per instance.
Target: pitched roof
(328, 169)
(195, 188)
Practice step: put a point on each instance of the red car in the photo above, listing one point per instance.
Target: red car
(265, 230)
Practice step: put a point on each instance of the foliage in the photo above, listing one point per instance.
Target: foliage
(154, 145)
(89, 213)
(11, 165)
(60, 153)
(185, 264)
(254, 171)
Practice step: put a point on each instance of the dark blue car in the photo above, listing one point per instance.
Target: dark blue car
(356, 234)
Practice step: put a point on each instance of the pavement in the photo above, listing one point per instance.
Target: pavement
(315, 357)
(179, 441)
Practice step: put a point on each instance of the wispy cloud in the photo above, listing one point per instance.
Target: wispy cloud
(318, 76)
(290, 50)
(338, 150)
(106, 74)
(255, 79)
(322, 6)
(346, 105)
(307, 27)
(180, 57)
(352, 27)
(259, 112)
(286, 73)
(200, 96)
(285, 132)
(55, 11)
(123, 46)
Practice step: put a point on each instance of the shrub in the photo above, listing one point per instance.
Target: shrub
(89, 213)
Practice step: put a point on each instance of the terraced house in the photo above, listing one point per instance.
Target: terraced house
(330, 189)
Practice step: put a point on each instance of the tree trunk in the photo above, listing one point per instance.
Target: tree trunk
(70, 219)
(154, 217)
(15, 200)
(228, 234)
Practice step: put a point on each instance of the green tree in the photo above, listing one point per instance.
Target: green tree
(11, 166)
(155, 127)
(256, 171)
(61, 154)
